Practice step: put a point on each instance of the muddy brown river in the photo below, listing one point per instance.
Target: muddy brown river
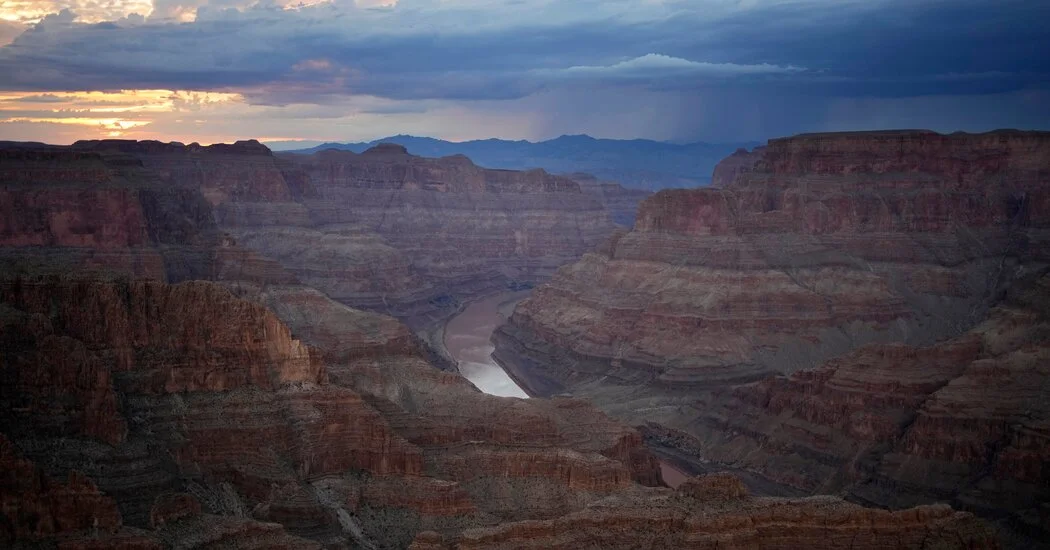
(467, 341)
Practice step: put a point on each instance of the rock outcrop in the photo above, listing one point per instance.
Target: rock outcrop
(825, 320)
(411, 236)
(741, 161)
(964, 421)
(92, 211)
(150, 390)
(621, 202)
(382, 230)
(213, 400)
(703, 514)
(818, 250)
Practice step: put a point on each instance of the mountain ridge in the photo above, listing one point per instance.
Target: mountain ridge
(635, 163)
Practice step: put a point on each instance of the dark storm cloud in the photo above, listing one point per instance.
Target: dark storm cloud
(757, 67)
(880, 48)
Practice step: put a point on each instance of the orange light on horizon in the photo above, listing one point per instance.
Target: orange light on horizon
(110, 124)
(105, 114)
(30, 12)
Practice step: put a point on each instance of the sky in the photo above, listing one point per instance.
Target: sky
(679, 70)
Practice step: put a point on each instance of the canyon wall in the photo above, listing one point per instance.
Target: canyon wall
(621, 202)
(162, 387)
(384, 230)
(461, 229)
(151, 390)
(739, 162)
(965, 421)
(716, 512)
(796, 322)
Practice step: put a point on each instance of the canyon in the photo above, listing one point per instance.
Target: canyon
(843, 314)
(383, 230)
(220, 347)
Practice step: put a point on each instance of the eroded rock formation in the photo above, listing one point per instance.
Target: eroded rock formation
(621, 202)
(423, 232)
(382, 230)
(207, 398)
(716, 512)
(739, 162)
(865, 264)
(150, 389)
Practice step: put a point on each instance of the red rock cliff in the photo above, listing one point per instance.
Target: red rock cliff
(287, 419)
(445, 228)
(841, 258)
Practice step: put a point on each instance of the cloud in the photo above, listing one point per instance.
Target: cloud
(9, 30)
(652, 64)
(429, 57)
(430, 49)
(659, 71)
(41, 98)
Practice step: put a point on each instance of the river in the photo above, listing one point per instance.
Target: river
(467, 341)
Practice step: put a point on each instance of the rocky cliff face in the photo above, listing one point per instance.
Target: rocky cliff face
(786, 268)
(621, 202)
(408, 235)
(963, 421)
(383, 230)
(741, 161)
(97, 209)
(150, 389)
(245, 170)
(841, 258)
(249, 410)
(716, 512)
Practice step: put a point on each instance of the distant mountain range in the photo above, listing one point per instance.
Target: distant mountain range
(637, 163)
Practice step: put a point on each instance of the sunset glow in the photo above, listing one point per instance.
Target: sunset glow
(94, 112)
(32, 11)
(682, 70)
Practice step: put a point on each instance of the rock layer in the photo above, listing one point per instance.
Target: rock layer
(442, 228)
(824, 320)
(150, 389)
(741, 161)
(383, 230)
(818, 250)
(250, 410)
(621, 202)
(714, 518)
(963, 421)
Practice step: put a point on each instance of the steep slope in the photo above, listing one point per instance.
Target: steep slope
(739, 162)
(830, 243)
(622, 203)
(384, 230)
(716, 512)
(229, 432)
(77, 210)
(251, 411)
(965, 421)
(463, 230)
(150, 389)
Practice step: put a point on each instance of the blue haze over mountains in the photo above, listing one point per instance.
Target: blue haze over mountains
(637, 163)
